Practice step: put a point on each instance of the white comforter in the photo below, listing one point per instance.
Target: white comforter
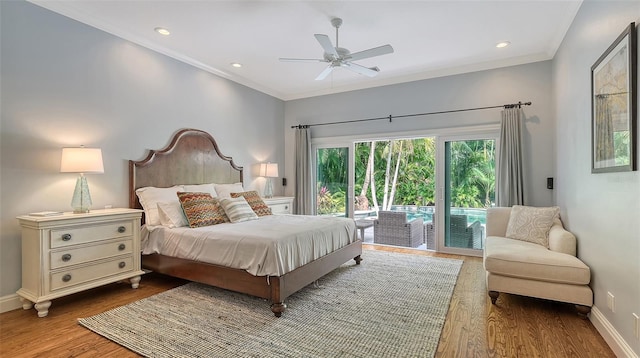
(270, 246)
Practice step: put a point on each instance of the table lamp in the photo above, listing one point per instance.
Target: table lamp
(81, 160)
(268, 170)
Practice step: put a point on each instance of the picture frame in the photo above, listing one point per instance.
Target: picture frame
(614, 106)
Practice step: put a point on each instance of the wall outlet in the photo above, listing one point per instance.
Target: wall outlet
(611, 302)
(108, 206)
(636, 326)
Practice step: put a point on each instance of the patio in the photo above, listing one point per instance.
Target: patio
(467, 234)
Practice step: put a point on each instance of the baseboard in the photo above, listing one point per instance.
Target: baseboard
(610, 335)
(10, 303)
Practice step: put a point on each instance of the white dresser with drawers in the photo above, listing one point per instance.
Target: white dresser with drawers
(280, 204)
(69, 253)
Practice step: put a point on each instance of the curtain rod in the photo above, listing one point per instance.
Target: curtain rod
(391, 117)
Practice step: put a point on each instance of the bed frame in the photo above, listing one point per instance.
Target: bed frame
(193, 157)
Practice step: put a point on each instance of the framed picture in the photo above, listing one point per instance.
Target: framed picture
(614, 107)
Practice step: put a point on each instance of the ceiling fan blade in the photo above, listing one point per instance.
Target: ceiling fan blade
(324, 73)
(325, 42)
(372, 52)
(284, 59)
(360, 69)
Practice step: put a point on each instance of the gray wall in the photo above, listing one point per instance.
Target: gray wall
(67, 84)
(531, 82)
(603, 210)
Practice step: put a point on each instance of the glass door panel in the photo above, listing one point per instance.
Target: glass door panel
(396, 174)
(332, 181)
(469, 189)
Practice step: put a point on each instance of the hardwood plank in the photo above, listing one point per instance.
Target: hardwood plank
(516, 327)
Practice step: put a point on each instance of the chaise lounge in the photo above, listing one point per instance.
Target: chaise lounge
(524, 267)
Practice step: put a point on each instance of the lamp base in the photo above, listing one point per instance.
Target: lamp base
(81, 202)
(268, 189)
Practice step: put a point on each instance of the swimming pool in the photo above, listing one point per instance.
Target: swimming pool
(426, 213)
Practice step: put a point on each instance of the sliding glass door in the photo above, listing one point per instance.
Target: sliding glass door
(467, 189)
(332, 180)
(448, 182)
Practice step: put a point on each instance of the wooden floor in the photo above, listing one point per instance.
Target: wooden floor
(515, 327)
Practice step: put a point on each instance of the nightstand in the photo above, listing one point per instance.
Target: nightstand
(69, 253)
(280, 204)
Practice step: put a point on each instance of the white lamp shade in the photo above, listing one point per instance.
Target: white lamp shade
(81, 160)
(269, 170)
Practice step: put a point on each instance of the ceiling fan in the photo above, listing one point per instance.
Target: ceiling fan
(341, 57)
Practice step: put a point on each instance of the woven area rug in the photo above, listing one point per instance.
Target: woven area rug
(392, 305)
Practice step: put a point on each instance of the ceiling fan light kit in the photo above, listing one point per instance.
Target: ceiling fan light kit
(337, 56)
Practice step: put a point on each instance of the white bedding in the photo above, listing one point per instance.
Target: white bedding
(270, 246)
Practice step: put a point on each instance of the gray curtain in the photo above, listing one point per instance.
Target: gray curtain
(509, 181)
(303, 204)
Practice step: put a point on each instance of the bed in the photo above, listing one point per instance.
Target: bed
(193, 157)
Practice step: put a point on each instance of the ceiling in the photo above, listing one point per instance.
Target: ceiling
(430, 38)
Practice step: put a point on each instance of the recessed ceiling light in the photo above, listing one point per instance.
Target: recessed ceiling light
(162, 31)
(503, 44)
(236, 65)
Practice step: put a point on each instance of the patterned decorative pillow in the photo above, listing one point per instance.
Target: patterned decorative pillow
(255, 202)
(201, 209)
(532, 224)
(238, 209)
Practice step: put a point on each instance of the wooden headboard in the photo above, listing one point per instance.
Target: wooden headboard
(192, 157)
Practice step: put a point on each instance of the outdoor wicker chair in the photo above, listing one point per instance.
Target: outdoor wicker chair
(461, 235)
(392, 228)
(430, 235)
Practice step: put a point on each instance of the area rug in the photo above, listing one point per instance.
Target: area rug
(392, 305)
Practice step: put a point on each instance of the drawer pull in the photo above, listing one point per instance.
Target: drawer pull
(122, 264)
(66, 257)
(122, 229)
(66, 278)
(286, 207)
(122, 247)
(66, 237)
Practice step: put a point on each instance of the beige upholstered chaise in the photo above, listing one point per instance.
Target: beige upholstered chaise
(530, 269)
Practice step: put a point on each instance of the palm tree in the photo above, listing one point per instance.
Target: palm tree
(484, 174)
(387, 171)
(361, 200)
(395, 176)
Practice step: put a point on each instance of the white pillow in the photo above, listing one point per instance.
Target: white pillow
(201, 188)
(225, 190)
(171, 214)
(532, 224)
(238, 210)
(150, 197)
